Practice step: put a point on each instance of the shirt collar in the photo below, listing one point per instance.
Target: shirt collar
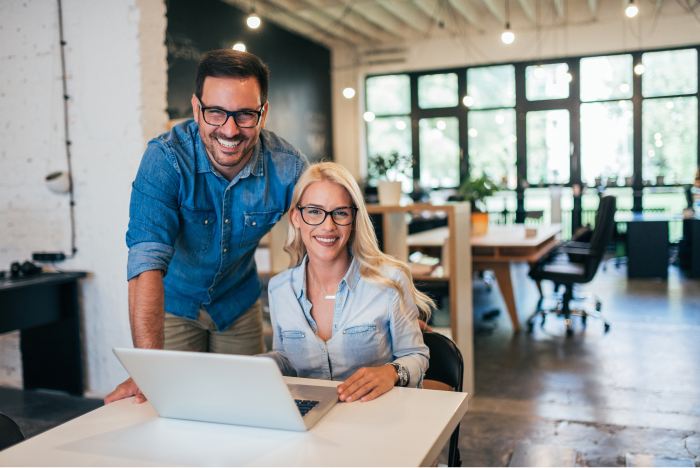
(351, 278)
(255, 165)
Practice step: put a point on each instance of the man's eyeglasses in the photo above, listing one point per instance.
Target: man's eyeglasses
(218, 117)
(315, 216)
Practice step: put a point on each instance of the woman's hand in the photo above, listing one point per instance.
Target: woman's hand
(368, 383)
(125, 390)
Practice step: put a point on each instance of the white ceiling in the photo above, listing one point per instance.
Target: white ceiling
(370, 23)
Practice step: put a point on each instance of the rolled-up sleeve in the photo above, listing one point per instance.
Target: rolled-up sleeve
(278, 354)
(153, 212)
(407, 340)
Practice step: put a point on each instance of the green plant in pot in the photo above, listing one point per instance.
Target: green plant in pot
(475, 190)
(386, 168)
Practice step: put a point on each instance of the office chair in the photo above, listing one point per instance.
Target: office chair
(575, 262)
(446, 367)
(10, 433)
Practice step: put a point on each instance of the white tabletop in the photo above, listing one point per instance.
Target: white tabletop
(404, 427)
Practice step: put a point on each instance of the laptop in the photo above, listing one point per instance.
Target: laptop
(224, 388)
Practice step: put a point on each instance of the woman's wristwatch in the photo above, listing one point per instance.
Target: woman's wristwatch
(403, 374)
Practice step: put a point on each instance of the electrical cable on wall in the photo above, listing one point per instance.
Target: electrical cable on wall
(66, 129)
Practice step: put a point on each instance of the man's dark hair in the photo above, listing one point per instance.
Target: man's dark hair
(229, 63)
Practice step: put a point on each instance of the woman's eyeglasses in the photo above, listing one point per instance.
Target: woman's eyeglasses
(314, 216)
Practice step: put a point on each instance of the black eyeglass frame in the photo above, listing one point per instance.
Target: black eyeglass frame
(229, 114)
(326, 213)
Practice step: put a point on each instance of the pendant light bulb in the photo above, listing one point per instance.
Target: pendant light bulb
(239, 46)
(507, 37)
(632, 9)
(253, 21)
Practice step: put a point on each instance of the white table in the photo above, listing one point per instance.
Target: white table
(404, 427)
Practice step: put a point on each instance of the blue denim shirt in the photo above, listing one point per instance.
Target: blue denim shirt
(369, 329)
(187, 220)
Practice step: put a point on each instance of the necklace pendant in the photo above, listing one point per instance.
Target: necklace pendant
(330, 297)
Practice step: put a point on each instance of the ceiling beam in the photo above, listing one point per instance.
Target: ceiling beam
(529, 10)
(359, 23)
(466, 9)
(385, 19)
(559, 6)
(495, 11)
(408, 13)
(593, 7)
(288, 20)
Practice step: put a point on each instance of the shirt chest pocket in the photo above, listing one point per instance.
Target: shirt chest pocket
(361, 343)
(196, 229)
(295, 343)
(258, 224)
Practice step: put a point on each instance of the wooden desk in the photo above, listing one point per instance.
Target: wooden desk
(404, 427)
(496, 249)
(44, 308)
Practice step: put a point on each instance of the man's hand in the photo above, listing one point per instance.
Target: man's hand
(125, 390)
(368, 383)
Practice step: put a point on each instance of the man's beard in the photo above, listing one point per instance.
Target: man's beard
(213, 149)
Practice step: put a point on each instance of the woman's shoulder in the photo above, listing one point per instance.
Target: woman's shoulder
(282, 279)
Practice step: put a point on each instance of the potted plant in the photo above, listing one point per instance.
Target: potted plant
(386, 169)
(475, 191)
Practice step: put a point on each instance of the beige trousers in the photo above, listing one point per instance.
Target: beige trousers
(245, 336)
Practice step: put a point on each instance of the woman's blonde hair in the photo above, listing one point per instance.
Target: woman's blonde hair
(374, 264)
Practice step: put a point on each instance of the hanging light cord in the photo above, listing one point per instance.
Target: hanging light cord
(67, 135)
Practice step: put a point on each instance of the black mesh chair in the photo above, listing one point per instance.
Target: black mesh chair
(575, 262)
(10, 433)
(447, 367)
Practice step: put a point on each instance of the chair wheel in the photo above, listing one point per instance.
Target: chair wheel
(583, 319)
(569, 332)
(607, 327)
(530, 326)
(598, 306)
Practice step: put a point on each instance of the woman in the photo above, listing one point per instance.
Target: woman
(344, 311)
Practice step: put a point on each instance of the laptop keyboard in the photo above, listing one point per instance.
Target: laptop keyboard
(305, 406)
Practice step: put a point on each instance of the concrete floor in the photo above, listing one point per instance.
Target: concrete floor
(633, 390)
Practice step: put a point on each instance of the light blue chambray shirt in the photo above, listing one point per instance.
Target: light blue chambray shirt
(369, 329)
(202, 230)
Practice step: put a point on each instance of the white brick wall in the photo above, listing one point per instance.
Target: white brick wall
(117, 71)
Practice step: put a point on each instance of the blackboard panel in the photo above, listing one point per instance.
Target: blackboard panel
(300, 80)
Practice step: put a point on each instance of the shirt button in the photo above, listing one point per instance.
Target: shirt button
(336, 326)
(226, 220)
(303, 336)
(206, 221)
(211, 290)
(220, 273)
(323, 351)
(254, 223)
(344, 331)
(328, 377)
(225, 250)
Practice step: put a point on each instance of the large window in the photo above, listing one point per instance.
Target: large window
(627, 120)
(491, 123)
(670, 124)
(389, 130)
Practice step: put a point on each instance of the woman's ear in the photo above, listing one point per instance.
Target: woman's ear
(294, 216)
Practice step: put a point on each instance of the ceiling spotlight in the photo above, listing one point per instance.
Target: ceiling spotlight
(349, 93)
(632, 9)
(253, 21)
(507, 37)
(239, 46)
(639, 69)
(369, 116)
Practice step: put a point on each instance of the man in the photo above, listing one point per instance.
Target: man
(204, 195)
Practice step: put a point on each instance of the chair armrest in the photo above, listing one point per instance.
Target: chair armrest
(577, 245)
